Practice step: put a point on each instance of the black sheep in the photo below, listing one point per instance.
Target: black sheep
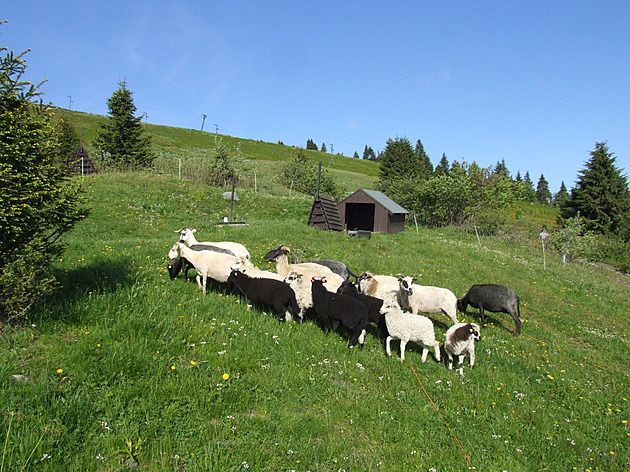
(494, 298)
(337, 267)
(335, 306)
(266, 292)
(373, 305)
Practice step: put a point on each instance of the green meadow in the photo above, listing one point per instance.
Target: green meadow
(122, 368)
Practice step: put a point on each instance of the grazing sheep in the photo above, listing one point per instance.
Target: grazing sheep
(408, 327)
(267, 292)
(307, 269)
(303, 292)
(245, 266)
(373, 305)
(335, 306)
(208, 264)
(379, 286)
(494, 298)
(460, 340)
(187, 235)
(175, 266)
(426, 299)
(337, 267)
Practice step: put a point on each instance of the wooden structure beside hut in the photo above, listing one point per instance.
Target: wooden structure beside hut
(324, 214)
(371, 210)
(81, 164)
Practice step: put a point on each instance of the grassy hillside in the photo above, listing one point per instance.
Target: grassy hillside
(122, 366)
(178, 142)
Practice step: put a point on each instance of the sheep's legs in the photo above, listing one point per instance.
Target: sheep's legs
(438, 357)
(403, 343)
(388, 348)
(425, 353)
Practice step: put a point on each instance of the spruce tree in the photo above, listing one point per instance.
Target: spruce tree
(530, 193)
(601, 194)
(560, 198)
(398, 161)
(39, 202)
(121, 138)
(543, 195)
(443, 166)
(426, 168)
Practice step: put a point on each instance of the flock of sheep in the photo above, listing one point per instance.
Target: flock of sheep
(325, 287)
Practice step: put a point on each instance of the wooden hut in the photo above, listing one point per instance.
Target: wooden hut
(371, 210)
(324, 214)
(81, 163)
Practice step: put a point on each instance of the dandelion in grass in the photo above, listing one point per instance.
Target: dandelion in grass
(193, 363)
(226, 376)
(60, 371)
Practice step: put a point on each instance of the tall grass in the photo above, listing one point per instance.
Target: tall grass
(123, 367)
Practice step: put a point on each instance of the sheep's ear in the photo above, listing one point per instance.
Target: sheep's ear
(178, 230)
(193, 230)
(312, 280)
(472, 330)
(324, 280)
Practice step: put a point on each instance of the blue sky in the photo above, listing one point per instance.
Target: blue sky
(536, 83)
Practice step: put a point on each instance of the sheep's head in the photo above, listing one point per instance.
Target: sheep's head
(389, 304)
(174, 252)
(475, 332)
(275, 253)
(365, 276)
(406, 284)
(292, 277)
(185, 233)
(318, 278)
(241, 263)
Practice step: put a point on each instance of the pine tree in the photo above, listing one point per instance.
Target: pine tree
(443, 166)
(355, 155)
(501, 169)
(38, 200)
(368, 153)
(310, 144)
(562, 196)
(530, 193)
(398, 161)
(543, 195)
(426, 168)
(121, 138)
(601, 194)
(323, 147)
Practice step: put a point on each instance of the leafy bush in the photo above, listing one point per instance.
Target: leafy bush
(301, 174)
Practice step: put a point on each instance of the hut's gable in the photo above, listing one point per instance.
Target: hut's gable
(325, 215)
(371, 210)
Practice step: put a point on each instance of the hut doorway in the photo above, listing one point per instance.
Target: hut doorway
(360, 216)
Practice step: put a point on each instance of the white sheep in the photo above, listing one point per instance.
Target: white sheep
(308, 270)
(245, 265)
(408, 327)
(460, 340)
(379, 286)
(210, 264)
(426, 299)
(187, 235)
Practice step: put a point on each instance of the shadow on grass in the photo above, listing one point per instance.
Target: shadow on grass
(103, 277)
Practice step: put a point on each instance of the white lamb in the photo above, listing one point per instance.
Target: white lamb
(187, 235)
(308, 270)
(379, 286)
(426, 299)
(460, 340)
(214, 265)
(408, 327)
(244, 265)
